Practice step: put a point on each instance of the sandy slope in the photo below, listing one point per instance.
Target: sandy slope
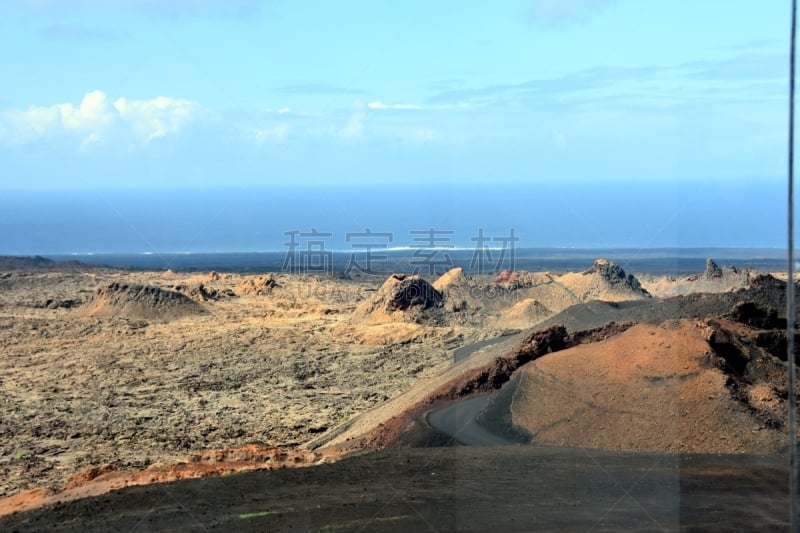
(651, 388)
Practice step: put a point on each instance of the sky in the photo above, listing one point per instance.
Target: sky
(148, 93)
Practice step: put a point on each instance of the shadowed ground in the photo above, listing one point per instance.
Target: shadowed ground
(508, 488)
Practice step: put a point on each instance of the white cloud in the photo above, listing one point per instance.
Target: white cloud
(95, 120)
(280, 111)
(157, 117)
(376, 121)
(274, 134)
(92, 115)
(354, 128)
(23, 126)
(381, 105)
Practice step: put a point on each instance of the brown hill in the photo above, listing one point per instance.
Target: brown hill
(451, 277)
(141, 302)
(550, 293)
(504, 301)
(606, 281)
(682, 386)
(524, 313)
(402, 298)
(256, 286)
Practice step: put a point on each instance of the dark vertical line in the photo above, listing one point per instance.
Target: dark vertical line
(790, 296)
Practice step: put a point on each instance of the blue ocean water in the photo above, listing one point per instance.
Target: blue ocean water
(227, 220)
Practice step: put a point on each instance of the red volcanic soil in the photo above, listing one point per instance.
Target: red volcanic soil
(97, 480)
(682, 386)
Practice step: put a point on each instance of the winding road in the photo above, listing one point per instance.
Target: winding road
(459, 419)
(465, 351)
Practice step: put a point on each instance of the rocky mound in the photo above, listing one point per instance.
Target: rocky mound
(55, 303)
(712, 271)
(402, 298)
(202, 292)
(757, 316)
(256, 286)
(524, 313)
(507, 277)
(688, 386)
(552, 295)
(451, 277)
(605, 280)
(764, 291)
(141, 302)
(713, 279)
(468, 300)
(507, 298)
(773, 288)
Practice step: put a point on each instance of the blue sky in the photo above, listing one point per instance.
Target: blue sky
(108, 93)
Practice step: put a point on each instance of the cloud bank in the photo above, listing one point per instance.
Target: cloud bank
(96, 119)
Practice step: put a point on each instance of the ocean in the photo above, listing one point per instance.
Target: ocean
(673, 227)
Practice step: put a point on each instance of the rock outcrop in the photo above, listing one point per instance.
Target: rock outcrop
(525, 313)
(402, 298)
(605, 280)
(256, 286)
(451, 277)
(202, 292)
(712, 271)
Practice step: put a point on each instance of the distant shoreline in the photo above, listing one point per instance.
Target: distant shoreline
(663, 261)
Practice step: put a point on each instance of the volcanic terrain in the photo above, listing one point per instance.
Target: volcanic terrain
(115, 378)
